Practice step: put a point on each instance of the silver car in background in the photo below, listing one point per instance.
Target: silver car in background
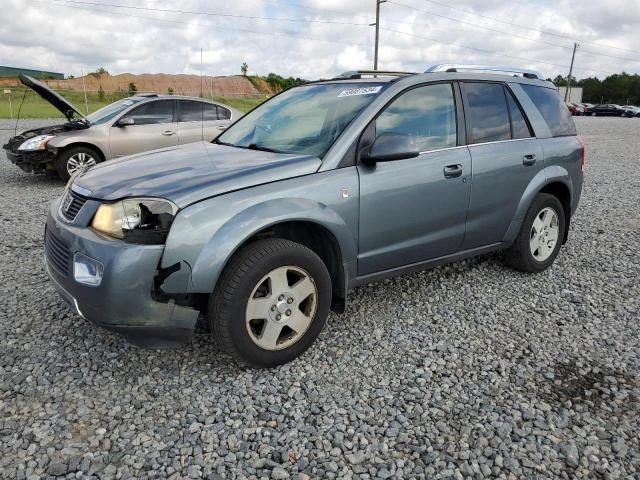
(132, 125)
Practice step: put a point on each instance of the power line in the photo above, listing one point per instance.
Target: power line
(489, 52)
(546, 32)
(510, 34)
(213, 14)
(182, 22)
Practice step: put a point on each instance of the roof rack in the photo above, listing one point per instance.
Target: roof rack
(146, 94)
(373, 73)
(497, 69)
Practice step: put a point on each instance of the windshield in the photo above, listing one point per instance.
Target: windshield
(304, 120)
(107, 113)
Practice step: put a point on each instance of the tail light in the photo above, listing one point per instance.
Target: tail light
(582, 161)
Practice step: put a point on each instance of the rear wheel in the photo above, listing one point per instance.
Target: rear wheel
(271, 302)
(540, 237)
(75, 159)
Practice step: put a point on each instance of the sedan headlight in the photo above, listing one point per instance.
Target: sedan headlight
(136, 220)
(35, 143)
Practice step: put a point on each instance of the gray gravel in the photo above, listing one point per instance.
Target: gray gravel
(469, 370)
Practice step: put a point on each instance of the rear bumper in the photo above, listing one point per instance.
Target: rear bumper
(124, 302)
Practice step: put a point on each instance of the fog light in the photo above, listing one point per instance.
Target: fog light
(86, 270)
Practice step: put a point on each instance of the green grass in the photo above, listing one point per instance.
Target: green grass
(36, 107)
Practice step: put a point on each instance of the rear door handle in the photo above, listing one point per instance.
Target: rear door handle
(529, 160)
(168, 133)
(452, 171)
(222, 127)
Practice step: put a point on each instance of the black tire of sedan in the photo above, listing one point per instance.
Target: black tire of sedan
(540, 238)
(271, 302)
(71, 159)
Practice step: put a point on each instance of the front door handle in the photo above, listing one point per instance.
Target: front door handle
(529, 160)
(452, 171)
(168, 133)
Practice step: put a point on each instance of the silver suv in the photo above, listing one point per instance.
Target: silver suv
(131, 125)
(322, 188)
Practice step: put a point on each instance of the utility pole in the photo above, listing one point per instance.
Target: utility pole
(377, 25)
(566, 92)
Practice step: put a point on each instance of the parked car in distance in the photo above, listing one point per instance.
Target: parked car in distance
(608, 110)
(633, 110)
(575, 108)
(324, 187)
(131, 125)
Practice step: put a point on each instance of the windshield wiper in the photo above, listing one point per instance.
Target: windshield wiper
(255, 146)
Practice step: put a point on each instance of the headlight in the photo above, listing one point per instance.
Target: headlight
(35, 143)
(136, 220)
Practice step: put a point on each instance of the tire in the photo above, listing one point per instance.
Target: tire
(523, 254)
(79, 156)
(252, 276)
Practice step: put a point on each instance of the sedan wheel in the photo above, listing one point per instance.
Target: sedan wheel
(79, 161)
(75, 159)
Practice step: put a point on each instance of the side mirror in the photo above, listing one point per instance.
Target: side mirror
(123, 122)
(390, 146)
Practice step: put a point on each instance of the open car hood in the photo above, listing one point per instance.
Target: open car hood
(61, 104)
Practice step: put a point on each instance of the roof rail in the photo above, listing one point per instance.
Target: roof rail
(146, 94)
(497, 69)
(373, 73)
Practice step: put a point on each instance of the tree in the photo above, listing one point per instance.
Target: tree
(170, 91)
(244, 68)
(132, 88)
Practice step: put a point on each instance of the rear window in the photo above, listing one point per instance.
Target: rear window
(519, 126)
(194, 111)
(552, 109)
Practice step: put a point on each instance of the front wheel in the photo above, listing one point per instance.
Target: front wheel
(540, 237)
(70, 161)
(271, 302)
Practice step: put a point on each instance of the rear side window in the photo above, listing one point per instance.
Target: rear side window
(427, 113)
(223, 113)
(488, 112)
(194, 111)
(519, 126)
(552, 109)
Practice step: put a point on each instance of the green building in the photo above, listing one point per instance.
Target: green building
(42, 74)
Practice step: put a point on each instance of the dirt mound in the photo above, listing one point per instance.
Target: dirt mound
(157, 82)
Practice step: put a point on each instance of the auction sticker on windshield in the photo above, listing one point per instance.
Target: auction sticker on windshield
(359, 91)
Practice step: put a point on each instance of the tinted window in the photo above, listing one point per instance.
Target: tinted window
(427, 113)
(223, 113)
(519, 127)
(194, 111)
(552, 109)
(160, 111)
(488, 112)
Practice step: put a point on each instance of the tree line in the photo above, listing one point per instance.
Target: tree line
(621, 88)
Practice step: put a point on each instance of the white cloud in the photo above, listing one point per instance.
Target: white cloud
(62, 36)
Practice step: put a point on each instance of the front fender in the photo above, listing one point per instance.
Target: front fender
(90, 136)
(546, 176)
(207, 234)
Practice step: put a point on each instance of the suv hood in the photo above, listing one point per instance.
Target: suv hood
(188, 173)
(59, 102)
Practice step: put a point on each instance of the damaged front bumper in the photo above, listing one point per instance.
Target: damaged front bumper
(128, 300)
(31, 162)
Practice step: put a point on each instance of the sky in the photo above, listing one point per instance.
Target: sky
(318, 38)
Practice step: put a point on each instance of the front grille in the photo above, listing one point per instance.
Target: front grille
(71, 205)
(57, 253)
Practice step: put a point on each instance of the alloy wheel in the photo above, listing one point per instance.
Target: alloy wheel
(545, 231)
(79, 161)
(281, 308)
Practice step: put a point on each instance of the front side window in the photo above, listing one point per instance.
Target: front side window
(150, 113)
(426, 113)
(488, 112)
(112, 110)
(305, 120)
(552, 109)
(195, 111)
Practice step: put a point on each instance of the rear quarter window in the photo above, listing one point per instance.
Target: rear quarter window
(553, 110)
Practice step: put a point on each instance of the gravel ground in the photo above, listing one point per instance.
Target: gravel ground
(533, 376)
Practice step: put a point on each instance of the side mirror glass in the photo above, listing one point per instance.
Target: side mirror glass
(390, 146)
(123, 122)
